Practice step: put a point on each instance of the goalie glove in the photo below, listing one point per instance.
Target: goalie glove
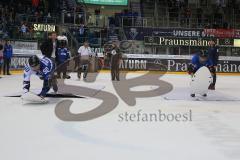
(26, 86)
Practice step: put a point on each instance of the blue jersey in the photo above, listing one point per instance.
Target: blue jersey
(44, 73)
(46, 68)
(197, 64)
(8, 51)
(62, 55)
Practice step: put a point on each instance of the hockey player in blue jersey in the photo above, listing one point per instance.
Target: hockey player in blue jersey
(63, 54)
(199, 60)
(44, 68)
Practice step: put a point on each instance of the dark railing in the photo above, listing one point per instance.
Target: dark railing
(36, 19)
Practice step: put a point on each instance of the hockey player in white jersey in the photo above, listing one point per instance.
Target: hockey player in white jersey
(42, 67)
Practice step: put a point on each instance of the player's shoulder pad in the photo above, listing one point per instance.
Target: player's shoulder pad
(45, 60)
(195, 58)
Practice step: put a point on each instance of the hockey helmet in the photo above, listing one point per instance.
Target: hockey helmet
(33, 61)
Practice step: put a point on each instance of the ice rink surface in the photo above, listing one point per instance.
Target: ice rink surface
(33, 132)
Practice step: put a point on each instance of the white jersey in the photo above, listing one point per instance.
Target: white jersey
(84, 51)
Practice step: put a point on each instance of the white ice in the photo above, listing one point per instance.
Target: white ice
(33, 132)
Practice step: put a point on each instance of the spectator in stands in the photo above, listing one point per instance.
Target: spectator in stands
(81, 33)
(35, 4)
(11, 15)
(7, 56)
(199, 16)
(81, 29)
(49, 15)
(97, 13)
(23, 29)
(1, 57)
(3, 29)
(29, 11)
(36, 14)
(31, 31)
(187, 15)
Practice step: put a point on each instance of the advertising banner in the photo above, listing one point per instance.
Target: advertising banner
(175, 65)
(223, 33)
(25, 45)
(18, 62)
(138, 33)
(192, 42)
(106, 2)
(172, 63)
